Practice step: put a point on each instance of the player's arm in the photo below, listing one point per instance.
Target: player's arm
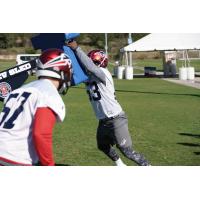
(87, 62)
(43, 125)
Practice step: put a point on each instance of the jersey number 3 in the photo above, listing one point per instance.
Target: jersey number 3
(93, 92)
(9, 123)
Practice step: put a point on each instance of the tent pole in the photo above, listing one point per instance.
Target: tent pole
(126, 54)
(122, 63)
(185, 58)
(130, 58)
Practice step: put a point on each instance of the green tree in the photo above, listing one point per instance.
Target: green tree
(3, 40)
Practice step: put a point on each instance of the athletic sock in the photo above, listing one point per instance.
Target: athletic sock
(119, 162)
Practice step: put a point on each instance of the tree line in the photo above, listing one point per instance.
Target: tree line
(116, 41)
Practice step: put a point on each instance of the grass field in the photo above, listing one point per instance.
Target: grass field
(164, 122)
(159, 64)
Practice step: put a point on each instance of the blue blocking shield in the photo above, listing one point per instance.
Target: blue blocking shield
(45, 41)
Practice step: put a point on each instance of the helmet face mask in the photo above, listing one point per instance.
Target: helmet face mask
(64, 84)
(54, 63)
(99, 58)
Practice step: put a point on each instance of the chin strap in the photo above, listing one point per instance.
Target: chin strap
(63, 89)
(64, 84)
(102, 61)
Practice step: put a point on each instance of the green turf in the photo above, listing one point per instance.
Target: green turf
(4, 64)
(158, 63)
(164, 122)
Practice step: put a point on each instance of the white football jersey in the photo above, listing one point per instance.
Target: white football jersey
(102, 96)
(16, 119)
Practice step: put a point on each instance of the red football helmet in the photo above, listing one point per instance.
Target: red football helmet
(99, 58)
(56, 64)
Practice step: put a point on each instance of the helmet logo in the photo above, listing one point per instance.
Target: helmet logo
(5, 89)
(58, 62)
(99, 55)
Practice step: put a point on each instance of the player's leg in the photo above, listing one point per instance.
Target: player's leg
(124, 142)
(133, 155)
(105, 144)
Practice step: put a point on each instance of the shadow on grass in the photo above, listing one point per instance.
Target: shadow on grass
(62, 164)
(141, 92)
(159, 93)
(38, 164)
(190, 135)
(189, 144)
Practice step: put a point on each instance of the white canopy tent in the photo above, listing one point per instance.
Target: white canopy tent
(162, 42)
(165, 42)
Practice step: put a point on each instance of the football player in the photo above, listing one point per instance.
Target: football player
(30, 113)
(113, 123)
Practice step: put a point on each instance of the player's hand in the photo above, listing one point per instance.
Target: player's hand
(73, 44)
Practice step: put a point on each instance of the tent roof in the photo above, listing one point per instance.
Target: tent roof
(165, 41)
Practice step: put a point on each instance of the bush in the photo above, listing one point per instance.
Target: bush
(156, 55)
(30, 50)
